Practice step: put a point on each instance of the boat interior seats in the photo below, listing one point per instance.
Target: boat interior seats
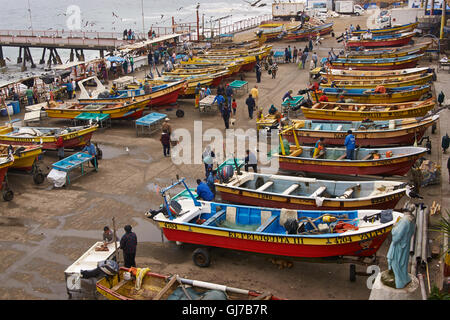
(318, 192)
(265, 215)
(291, 189)
(318, 127)
(231, 215)
(286, 214)
(347, 193)
(296, 153)
(265, 186)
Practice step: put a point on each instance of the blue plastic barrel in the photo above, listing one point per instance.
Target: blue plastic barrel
(16, 106)
(3, 112)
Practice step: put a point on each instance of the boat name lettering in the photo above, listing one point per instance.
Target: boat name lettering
(340, 240)
(383, 199)
(372, 234)
(265, 238)
(170, 225)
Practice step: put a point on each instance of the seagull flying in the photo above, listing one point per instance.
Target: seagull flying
(411, 193)
(198, 5)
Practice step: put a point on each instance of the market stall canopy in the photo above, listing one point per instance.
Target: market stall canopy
(144, 44)
(115, 59)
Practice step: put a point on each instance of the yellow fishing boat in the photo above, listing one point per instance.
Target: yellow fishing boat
(270, 31)
(24, 156)
(388, 83)
(391, 95)
(359, 112)
(126, 110)
(234, 65)
(388, 52)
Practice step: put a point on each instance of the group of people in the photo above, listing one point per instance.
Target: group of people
(128, 34)
(128, 244)
(349, 143)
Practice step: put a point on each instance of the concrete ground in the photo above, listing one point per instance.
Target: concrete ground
(44, 230)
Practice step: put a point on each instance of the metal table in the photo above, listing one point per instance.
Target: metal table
(206, 104)
(293, 103)
(239, 85)
(103, 120)
(149, 123)
(77, 160)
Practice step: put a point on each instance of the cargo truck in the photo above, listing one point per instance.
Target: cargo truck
(286, 10)
(348, 7)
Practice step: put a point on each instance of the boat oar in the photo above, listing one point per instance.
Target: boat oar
(183, 288)
(213, 286)
(116, 252)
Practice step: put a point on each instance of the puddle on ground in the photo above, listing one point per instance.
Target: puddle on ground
(111, 152)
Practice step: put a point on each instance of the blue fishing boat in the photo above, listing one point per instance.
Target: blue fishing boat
(403, 62)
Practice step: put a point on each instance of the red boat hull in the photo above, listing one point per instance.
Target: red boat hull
(380, 43)
(166, 99)
(249, 66)
(366, 247)
(388, 169)
(410, 64)
(405, 140)
(3, 172)
(262, 202)
(73, 143)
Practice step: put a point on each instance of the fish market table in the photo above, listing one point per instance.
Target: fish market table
(87, 261)
(206, 104)
(239, 85)
(103, 120)
(149, 123)
(278, 57)
(75, 161)
(122, 82)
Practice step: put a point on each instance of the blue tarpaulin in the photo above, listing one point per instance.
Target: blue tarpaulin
(115, 59)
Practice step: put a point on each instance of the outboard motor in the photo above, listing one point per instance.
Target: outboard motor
(291, 226)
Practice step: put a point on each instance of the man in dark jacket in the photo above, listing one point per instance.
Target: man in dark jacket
(250, 102)
(128, 244)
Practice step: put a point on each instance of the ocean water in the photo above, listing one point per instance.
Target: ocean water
(110, 16)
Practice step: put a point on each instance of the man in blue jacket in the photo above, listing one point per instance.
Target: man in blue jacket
(220, 100)
(350, 143)
(90, 149)
(203, 191)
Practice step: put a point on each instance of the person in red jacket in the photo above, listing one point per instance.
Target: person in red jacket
(60, 147)
(323, 98)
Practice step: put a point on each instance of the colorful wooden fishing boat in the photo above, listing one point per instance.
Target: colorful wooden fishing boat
(125, 110)
(234, 65)
(271, 31)
(390, 40)
(306, 33)
(379, 161)
(73, 137)
(161, 93)
(402, 132)
(360, 112)
(277, 191)
(377, 63)
(392, 95)
(147, 285)
(413, 80)
(402, 28)
(387, 52)
(24, 156)
(339, 74)
(283, 232)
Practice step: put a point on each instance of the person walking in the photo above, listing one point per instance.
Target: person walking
(304, 57)
(286, 55)
(251, 104)
(255, 93)
(226, 116)
(29, 94)
(132, 64)
(315, 58)
(350, 143)
(165, 141)
(128, 244)
(295, 55)
(258, 71)
(273, 70)
(250, 161)
(289, 54)
(448, 168)
(310, 45)
(90, 149)
(234, 106)
(229, 94)
(220, 101)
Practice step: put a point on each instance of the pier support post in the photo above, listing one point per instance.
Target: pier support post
(57, 57)
(29, 57)
(42, 61)
(50, 58)
(102, 54)
(81, 55)
(2, 60)
(24, 61)
(71, 55)
(19, 59)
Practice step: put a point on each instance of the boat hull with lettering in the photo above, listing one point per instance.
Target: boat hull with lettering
(73, 137)
(390, 40)
(377, 63)
(379, 161)
(386, 75)
(395, 29)
(279, 191)
(24, 156)
(387, 83)
(360, 112)
(305, 34)
(264, 230)
(402, 132)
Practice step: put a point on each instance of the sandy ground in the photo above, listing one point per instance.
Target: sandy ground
(44, 230)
